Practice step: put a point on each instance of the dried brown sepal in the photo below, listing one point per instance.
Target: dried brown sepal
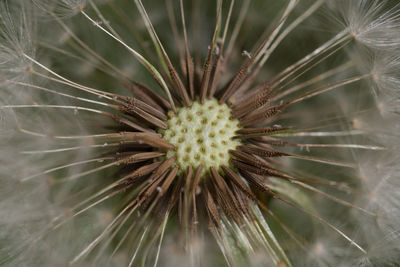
(258, 181)
(190, 72)
(150, 139)
(134, 110)
(175, 193)
(208, 63)
(149, 96)
(163, 167)
(246, 133)
(131, 103)
(196, 179)
(254, 160)
(144, 96)
(185, 202)
(212, 209)
(253, 102)
(140, 172)
(267, 141)
(236, 81)
(238, 182)
(138, 157)
(261, 151)
(193, 192)
(261, 115)
(168, 181)
(146, 196)
(225, 195)
(178, 83)
(257, 170)
(127, 122)
(242, 74)
(175, 31)
(244, 201)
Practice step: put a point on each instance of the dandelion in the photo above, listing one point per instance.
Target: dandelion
(219, 133)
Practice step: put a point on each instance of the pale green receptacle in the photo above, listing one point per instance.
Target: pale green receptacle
(202, 134)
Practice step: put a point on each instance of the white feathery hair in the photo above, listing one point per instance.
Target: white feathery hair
(61, 8)
(16, 37)
(26, 208)
(370, 22)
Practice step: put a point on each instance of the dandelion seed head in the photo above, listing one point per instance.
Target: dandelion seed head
(128, 142)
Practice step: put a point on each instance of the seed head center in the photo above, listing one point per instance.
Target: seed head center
(202, 134)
